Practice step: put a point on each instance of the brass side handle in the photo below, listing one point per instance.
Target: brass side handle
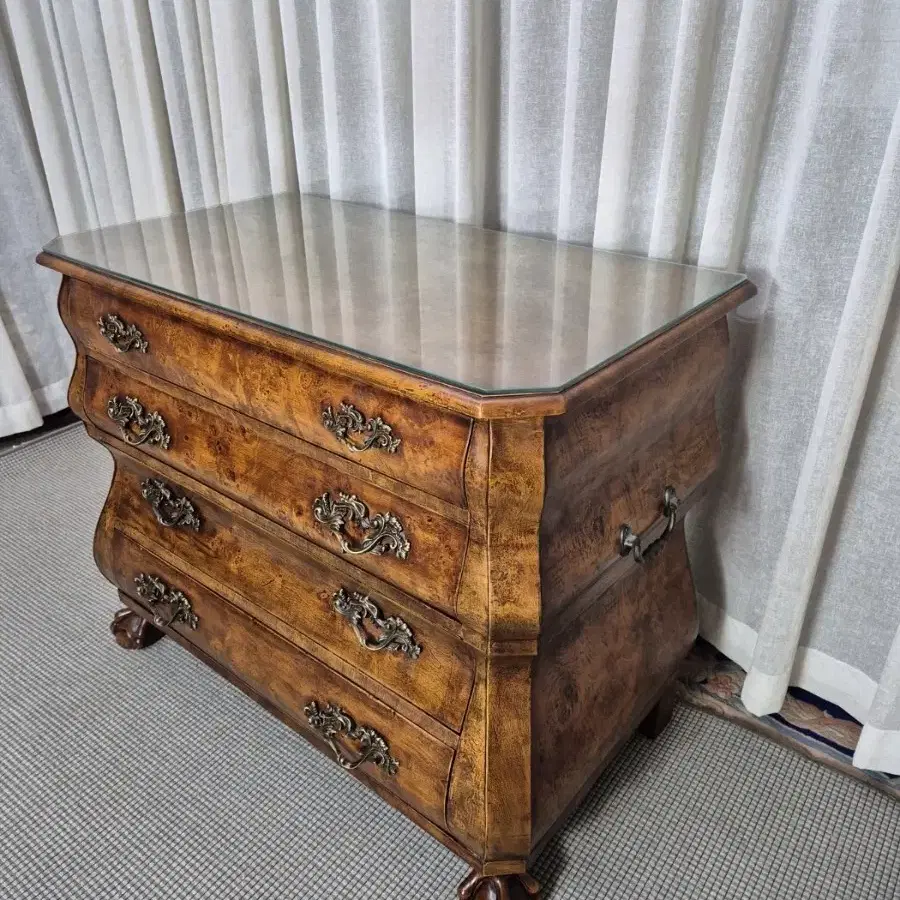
(381, 533)
(121, 335)
(171, 511)
(332, 721)
(629, 542)
(393, 633)
(138, 426)
(167, 605)
(376, 434)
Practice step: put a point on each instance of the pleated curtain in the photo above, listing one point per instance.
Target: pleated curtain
(761, 135)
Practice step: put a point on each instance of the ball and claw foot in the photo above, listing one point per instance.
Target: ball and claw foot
(520, 886)
(133, 632)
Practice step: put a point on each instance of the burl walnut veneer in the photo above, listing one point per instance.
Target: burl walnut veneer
(416, 487)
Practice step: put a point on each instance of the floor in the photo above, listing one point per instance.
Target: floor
(807, 723)
(144, 775)
(52, 423)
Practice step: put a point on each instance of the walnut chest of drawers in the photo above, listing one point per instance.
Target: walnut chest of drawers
(416, 487)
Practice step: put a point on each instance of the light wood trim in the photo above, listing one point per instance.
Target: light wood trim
(515, 500)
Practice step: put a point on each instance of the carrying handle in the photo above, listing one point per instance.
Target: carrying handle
(629, 542)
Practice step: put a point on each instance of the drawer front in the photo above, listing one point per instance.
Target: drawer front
(417, 550)
(396, 647)
(411, 442)
(410, 763)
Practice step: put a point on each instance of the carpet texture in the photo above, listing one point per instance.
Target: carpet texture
(809, 724)
(145, 775)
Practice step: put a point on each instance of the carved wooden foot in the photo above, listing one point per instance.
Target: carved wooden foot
(499, 887)
(133, 632)
(660, 715)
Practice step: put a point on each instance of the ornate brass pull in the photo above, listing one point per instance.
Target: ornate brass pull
(349, 420)
(171, 511)
(138, 427)
(333, 721)
(629, 542)
(122, 336)
(168, 606)
(395, 633)
(382, 533)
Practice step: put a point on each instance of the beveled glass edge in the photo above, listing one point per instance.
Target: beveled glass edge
(474, 391)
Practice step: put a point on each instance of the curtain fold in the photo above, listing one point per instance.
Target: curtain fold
(825, 460)
(36, 355)
(752, 134)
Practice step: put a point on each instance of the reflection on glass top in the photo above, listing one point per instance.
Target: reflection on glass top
(492, 311)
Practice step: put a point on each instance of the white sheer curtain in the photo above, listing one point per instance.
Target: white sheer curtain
(760, 134)
(35, 352)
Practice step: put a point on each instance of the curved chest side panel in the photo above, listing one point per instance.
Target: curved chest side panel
(610, 460)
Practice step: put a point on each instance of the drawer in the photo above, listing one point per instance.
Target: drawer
(418, 550)
(398, 648)
(415, 443)
(416, 766)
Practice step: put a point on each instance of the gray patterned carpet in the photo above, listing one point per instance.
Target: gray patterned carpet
(144, 775)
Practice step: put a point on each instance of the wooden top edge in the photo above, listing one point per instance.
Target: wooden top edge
(620, 367)
(417, 386)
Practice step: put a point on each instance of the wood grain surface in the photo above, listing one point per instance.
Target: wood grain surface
(278, 389)
(542, 647)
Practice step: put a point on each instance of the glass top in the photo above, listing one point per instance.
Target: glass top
(490, 311)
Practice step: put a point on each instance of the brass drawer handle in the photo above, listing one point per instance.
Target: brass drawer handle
(395, 633)
(349, 420)
(333, 721)
(171, 511)
(122, 336)
(138, 427)
(382, 533)
(167, 605)
(629, 542)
